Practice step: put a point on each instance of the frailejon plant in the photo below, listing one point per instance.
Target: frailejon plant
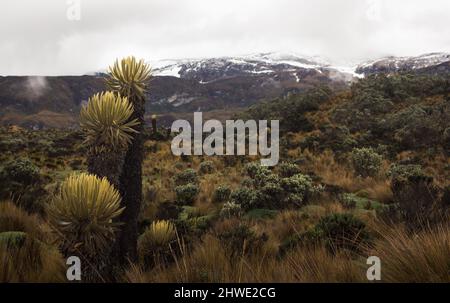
(83, 215)
(128, 77)
(155, 241)
(108, 128)
(106, 121)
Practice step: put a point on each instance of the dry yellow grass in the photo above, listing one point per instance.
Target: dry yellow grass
(336, 173)
(421, 257)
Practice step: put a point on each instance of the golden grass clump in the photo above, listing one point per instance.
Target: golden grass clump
(128, 76)
(106, 121)
(319, 266)
(24, 259)
(413, 258)
(13, 218)
(83, 212)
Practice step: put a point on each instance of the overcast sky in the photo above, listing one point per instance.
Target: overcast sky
(38, 37)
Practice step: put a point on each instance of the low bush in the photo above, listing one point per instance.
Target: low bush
(343, 231)
(221, 194)
(186, 194)
(366, 162)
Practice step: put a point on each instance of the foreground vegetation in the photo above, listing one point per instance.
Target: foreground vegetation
(363, 173)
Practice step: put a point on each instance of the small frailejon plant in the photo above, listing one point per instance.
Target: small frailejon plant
(366, 162)
(83, 215)
(155, 242)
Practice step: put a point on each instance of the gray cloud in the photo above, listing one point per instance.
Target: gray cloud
(38, 39)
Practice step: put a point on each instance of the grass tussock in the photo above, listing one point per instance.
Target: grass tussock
(415, 257)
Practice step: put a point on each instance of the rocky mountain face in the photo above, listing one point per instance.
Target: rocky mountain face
(197, 84)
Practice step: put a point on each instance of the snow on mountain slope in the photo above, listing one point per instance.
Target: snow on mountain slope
(211, 69)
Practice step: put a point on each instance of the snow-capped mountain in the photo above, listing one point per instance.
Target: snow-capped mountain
(395, 64)
(212, 69)
(270, 64)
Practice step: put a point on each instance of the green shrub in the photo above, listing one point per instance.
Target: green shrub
(231, 209)
(22, 171)
(307, 239)
(221, 194)
(401, 172)
(12, 144)
(245, 197)
(255, 171)
(349, 201)
(366, 162)
(343, 231)
(22, 181)
(186, 194)
(241, 240)
(299, 189)
(261, 214)
(189, 176)
(189, 219)
(206, 167)
(415, 193)
(287, 169)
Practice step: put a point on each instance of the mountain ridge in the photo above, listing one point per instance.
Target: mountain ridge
(201, 85)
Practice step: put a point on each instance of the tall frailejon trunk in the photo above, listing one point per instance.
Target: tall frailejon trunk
(128, 77)
(130, 188)
(106, 164)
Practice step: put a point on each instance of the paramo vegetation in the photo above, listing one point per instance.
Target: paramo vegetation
(363, 172)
